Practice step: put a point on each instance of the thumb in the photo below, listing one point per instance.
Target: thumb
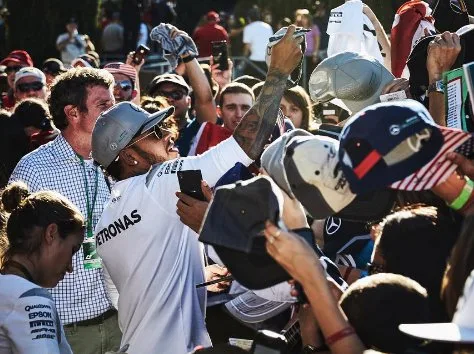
(465, 165)
(206, 190)
(289, 33)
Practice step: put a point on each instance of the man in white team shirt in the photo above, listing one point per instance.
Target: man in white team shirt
(154, 260)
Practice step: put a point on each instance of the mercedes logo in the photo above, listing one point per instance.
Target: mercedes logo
(394, 129)
(332, 225)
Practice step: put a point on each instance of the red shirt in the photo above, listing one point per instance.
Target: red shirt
(204, 35)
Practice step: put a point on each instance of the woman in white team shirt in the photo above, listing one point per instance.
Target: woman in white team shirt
(44, 230)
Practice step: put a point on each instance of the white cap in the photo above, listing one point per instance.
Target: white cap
(29, 71)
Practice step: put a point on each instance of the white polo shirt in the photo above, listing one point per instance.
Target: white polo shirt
(29, 322)
(154, 260)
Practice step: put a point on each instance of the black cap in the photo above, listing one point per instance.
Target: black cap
(53, 66)
(233, 226)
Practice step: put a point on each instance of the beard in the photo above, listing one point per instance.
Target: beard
(150, 158)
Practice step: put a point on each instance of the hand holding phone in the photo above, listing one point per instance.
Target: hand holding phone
(220, 54)
(190, 183)
(140, 53)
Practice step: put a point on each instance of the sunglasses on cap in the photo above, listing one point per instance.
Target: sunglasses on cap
(124, 85)
(30, 86)
(12, 69)
(175, 94)
(158, 130)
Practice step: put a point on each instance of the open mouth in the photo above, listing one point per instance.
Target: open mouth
(172, 147)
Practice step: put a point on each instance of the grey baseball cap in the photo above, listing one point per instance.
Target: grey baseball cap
(117, 126)
(357, 80)
(272, 159)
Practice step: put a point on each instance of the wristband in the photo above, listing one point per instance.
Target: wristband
(463, 197)
(188, 58)
(336, 337)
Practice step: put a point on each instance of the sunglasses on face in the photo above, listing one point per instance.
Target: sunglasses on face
(124, 85)
(12, 69)
(158, 130)
(175, 95)
(31, 86)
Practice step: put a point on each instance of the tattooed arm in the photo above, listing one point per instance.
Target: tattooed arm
(257, 125)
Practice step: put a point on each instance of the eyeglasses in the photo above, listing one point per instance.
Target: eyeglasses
(30, 86)
(375, 268)
(175, 95)
(158, 130)
(12, 69)
(124, 85)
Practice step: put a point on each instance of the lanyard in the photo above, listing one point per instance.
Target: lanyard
(90, 208)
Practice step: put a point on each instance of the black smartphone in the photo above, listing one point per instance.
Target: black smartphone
(190, 183)
(140, 53)
(220, 54)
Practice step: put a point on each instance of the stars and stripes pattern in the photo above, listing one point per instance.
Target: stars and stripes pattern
(439, 168)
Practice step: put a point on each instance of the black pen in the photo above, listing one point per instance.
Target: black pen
(215, 281)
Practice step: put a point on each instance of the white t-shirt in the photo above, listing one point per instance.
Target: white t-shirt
(29, 322)
(154, 260)
(350, 30)
(73, 49)
(257, 34)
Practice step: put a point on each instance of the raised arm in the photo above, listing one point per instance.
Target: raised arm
(382, 37)
(256, 126)
(204, 102)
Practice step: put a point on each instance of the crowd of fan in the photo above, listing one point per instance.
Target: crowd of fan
(326, 213)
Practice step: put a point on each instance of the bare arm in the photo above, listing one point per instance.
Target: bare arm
(382, 37)
(204, 102)
(246, 50)
(442, 53)
(256, 126)
(138, 67)
(300, 261)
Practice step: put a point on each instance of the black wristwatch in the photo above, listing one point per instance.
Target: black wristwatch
(437, 86)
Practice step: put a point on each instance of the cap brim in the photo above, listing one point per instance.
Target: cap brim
(438, 169)
(156, 118)
(357, 106)
(251, 308)
(368, 207)
(11, 60)
(440, 332)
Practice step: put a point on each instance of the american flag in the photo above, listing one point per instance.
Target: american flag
(439, 168)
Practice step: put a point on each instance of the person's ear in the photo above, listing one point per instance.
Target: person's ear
(188, 101)
(51, 233)
(128, 157)
(219, 111)
(134, 93)
(71, 112)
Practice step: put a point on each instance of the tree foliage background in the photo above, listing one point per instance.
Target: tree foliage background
(34, 25)
(384, 9)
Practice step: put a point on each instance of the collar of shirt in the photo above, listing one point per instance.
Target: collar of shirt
(61, 148)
